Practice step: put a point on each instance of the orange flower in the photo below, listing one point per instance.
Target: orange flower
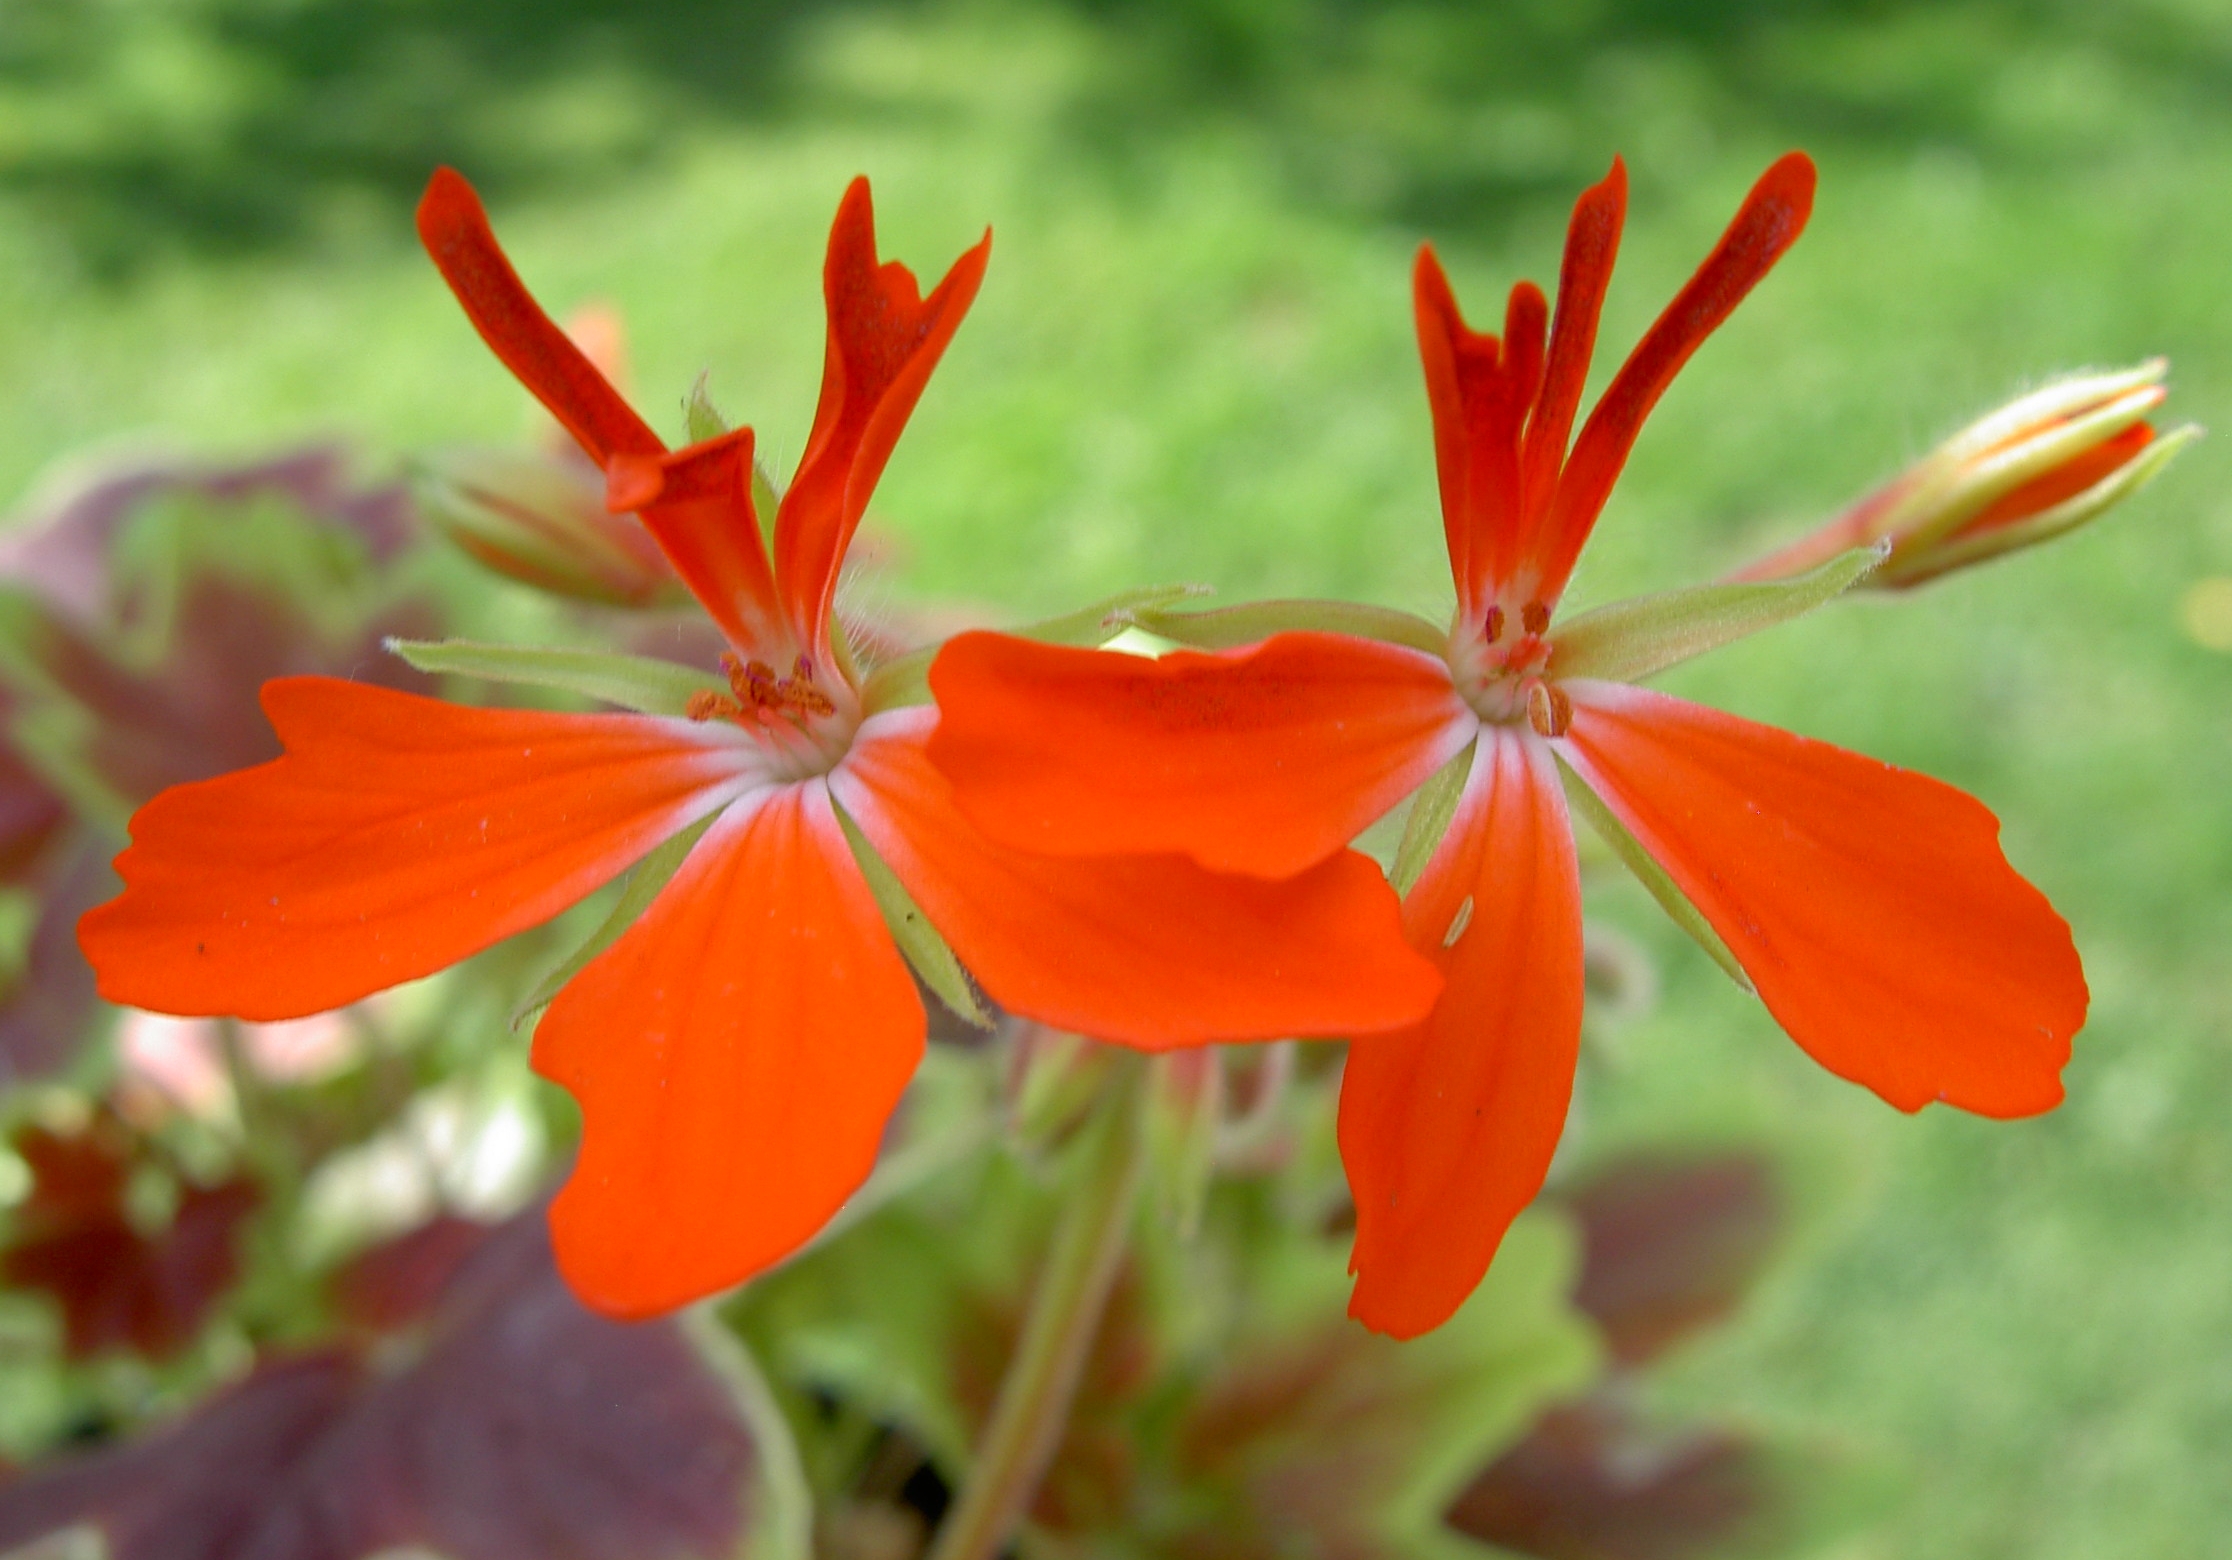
(738, 1050)
(1871, 908)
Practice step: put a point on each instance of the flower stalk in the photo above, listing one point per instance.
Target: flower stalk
(1033, 1405)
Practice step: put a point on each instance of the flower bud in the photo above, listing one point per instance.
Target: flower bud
(541, 520)
(2044, 464)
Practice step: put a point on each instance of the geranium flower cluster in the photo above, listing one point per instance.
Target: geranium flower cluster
(1151, 851)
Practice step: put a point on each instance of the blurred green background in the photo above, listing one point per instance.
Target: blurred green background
(1192, 361)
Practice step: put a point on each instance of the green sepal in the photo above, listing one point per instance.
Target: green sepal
(926, 951)
(1223, 628)
(645, 880)
(634, 681)
(700, 417)
(1650, 874)
(906, 680)
(1431, 809)
(1628, 641)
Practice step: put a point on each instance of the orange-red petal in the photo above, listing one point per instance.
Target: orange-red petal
(884, 339)
(1448, 1129)
(698, 503)
(1773, 215)
(1871, 906)
(455, 230)
(1584, 274)
(1150, 951)
(1259, 761)
(396, 835)
(736, 1055)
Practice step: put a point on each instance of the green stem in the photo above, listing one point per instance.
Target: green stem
(1066, 1304)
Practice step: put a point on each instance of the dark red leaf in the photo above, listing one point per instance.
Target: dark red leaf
(525, 1428)
(1670, 1244)
(46, 1010)
(395, 1283)
(120, 1288)
(1586, 1484)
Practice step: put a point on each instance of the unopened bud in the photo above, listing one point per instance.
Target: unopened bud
(2039, 467)
(541, 520)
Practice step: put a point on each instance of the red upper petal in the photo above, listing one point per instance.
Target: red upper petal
(698, 503)
(1148, 951)
(1592, 244)
(1447, 1129)
(1479, 390)
(1870, 905)
(455, 231)
(884, 339)
(1768, 223)
(1260, 761)
(396, 836)
(736, 1055)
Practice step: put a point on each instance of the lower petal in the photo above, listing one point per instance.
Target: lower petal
(736, 1055)
(396, 836)
(1264, 760)
(1150, 951)
(1447, 1129)
(1871, 906)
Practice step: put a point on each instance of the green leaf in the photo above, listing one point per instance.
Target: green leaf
(1650, 874)
(650, 875)
(1631, 640)
(932, 959)
(633, 681)
(1225, 627)
(1430, 812)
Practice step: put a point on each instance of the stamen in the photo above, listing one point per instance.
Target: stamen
(1534, 617)
(1549, 711)
(1495, 624)
(706, 704)
(1458, 923)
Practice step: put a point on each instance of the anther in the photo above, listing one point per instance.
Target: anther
(705, 704)
(1549, 711)
(1495, 624)
(1534, 617)
(1458, 923)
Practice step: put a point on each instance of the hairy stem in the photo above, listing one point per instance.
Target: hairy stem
(1066, 1304)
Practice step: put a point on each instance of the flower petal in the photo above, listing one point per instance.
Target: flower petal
(1768, 223)
(1871, 906)
(884, 339)
(1259, 761)
(1584, 274)
(455, 230)
(1479, 390)
(698, 503)
(396, 836)
(1150, 951)
(736, 1055)
(1447, 1129)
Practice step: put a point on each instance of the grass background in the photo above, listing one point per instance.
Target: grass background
(1192, 361)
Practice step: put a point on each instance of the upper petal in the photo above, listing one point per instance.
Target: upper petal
(1447, 1129)
(884, 339)
(1870, 905)
(1150, 951)
(736, 1055)
(1261, 761)
(697, 502)
(396, 835)
(1774, 213)
(456, 233)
